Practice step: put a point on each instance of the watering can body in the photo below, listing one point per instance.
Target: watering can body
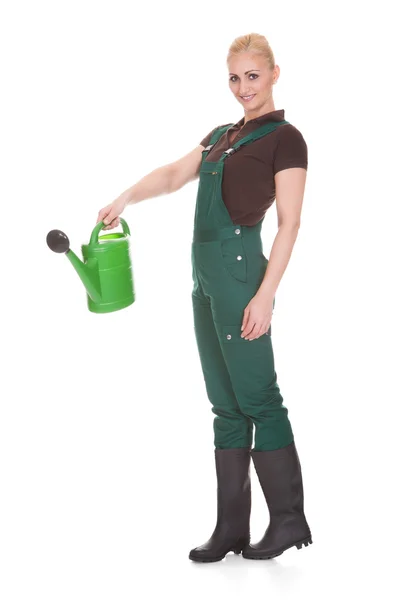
(106, 270)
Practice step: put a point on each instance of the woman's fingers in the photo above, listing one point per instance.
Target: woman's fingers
(248, 330)
(103, 213)
(257, 331)
(100, 214)
(114, 223)
(112, 215)
(109, 215)
(245, 320)
(263, 329)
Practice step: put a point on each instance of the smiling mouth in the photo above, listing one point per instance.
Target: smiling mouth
(247, 98)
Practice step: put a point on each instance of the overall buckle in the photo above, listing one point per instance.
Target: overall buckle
(230, 151)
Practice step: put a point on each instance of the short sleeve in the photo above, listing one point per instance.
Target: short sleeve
(206, 141)
(291, 149)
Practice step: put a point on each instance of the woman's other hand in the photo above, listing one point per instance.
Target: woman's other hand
(110, 213)
(257, 316)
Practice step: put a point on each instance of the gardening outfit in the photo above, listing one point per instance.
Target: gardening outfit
(228, 266)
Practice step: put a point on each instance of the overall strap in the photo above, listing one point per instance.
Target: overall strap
(254, 135)
(216, 135)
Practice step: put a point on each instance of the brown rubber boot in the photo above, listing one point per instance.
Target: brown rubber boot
(232, 530)
(279, 472)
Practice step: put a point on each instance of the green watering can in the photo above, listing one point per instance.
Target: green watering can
(106, 271)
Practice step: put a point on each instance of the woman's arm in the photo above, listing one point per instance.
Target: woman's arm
(163, 180)
(289, 188)
(166, 179)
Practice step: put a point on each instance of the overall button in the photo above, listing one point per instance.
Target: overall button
(237, 230)
(239, 257)
(228, 337)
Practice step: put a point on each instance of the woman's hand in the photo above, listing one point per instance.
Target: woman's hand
(257, 316)
(110, 213)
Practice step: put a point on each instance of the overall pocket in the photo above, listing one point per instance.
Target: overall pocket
(234, 258)
(232, 334)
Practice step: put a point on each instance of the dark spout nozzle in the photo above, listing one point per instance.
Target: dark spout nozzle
(88, 272)
(57, 241)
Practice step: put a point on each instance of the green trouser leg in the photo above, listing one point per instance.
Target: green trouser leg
(251, 368)
(250, 363)
(240, 374)
(232, 429)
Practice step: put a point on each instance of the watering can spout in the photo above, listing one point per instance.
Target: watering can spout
(88, 272)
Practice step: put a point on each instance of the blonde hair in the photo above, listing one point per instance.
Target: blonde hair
(252, 42)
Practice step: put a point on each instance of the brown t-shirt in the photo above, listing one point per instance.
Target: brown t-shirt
(248, 185)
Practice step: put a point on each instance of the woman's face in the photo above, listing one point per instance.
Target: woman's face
(251, 75)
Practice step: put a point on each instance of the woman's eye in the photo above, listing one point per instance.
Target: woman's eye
(251, 75)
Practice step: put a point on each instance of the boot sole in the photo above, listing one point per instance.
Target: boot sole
(281, 550)
(237, 549)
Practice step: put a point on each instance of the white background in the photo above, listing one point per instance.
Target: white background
(106, 444)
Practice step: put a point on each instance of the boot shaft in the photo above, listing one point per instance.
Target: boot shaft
(280, 476)
(233, 484)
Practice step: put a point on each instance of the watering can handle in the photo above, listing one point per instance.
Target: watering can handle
(95, 233)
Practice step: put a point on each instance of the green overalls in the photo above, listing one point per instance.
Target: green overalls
(228, 266)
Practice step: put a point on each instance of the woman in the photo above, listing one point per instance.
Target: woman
(243, 168)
